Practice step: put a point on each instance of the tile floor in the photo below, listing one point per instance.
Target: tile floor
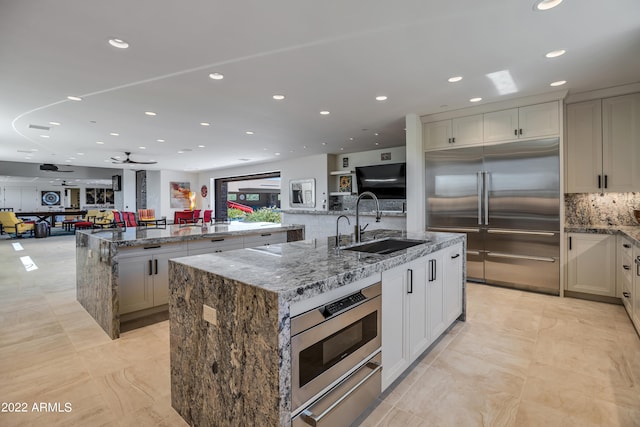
(521, 359)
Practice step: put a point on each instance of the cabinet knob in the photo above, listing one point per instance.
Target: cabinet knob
(626, 294)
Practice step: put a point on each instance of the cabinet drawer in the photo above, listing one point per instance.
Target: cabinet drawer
(626, 267)
(625, 246)
(266, 238)
(151, 249)
(215, 244)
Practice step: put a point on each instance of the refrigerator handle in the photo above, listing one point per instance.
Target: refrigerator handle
(479, 185)
(486, 197)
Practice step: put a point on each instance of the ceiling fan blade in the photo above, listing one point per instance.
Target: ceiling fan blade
(142, 163)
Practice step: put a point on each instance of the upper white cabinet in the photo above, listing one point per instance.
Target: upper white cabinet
(525, 122)
(603, 145)
(453, 133)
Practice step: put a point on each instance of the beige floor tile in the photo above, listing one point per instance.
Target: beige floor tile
(378, 413)
(397, 417)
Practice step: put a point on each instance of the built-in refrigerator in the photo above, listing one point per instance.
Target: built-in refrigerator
(506, 198)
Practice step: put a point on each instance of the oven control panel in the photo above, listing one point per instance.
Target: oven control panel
(334, 307)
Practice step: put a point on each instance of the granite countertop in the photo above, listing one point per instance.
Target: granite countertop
(348, 212)
(630, 231)
(303, 269)
(136, 236)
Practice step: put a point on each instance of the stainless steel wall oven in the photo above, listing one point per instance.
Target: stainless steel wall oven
(335, 359)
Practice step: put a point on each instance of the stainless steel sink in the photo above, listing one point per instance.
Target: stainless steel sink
(385, 246)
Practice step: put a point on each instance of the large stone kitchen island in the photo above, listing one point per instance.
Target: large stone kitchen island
(123, 274)
(237, 356)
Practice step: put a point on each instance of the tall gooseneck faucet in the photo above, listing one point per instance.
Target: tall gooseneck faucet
(358, 229)
(338, 230)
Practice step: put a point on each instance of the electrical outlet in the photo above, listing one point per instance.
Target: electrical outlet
(210, 314)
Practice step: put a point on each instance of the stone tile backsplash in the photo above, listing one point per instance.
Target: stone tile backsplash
(601, 209)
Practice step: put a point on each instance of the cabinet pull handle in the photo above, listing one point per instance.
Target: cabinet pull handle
(150, 268)
(605, 181)
(410, 284)
(453, 139)
(265, 234)
(638, 266)
(435, 270)
(515, 132)
(152, 247)
(599, 181)
(155, 262)
(626, 294)
(570, 241)
(626, 267)
(217, 240)
(455, 256)
(520, 131)
(625, 245)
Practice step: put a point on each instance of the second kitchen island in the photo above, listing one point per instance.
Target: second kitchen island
(232, 358)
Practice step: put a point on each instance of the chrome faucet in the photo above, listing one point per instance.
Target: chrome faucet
(358, 229)
(337, 229)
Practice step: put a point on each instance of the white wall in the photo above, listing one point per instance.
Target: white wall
(416, 188)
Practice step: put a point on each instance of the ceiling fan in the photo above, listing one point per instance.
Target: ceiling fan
(51, 168)
(129, 161)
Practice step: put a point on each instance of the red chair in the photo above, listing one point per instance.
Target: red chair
(119, 220)
(196, 215)
(130, 219)
(183, 217)
(207, 219)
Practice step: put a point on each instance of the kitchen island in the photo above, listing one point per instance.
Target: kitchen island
(123, 274)
(230, 319)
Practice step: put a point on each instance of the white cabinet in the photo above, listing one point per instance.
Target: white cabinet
(417, 307)
(625, 272)
(265, 239)
(143, 275)
(635, 293)
(532, 121)
(216, 244)
(603, 145)
(453, 133)
(590, 264)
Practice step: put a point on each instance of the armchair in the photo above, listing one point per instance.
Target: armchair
(11, 224)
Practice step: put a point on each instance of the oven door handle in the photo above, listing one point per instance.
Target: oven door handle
(314, 420)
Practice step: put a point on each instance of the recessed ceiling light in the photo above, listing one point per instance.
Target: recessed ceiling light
(377, 143)
(278, 97)
(277, 154)
(381, 98)
(249, 132)
(545, 4)
(44, 136)
(74, 98)
(265, 149)
(205, 124)
(114, 134)
(68, 161)
(558, 83)
(80, 154)
(72, 158)
(351, 139)
(324, 113)
(160, 140)
(200, 146)
(555, 53)
(341, 148)
(150, 113)
(54, 123)
(216, 76)
(376, 134)
(324, 143)
(99, 142)
(304, 147)
(142, 148)
(180, 152)
(475, 99)
(454, 79)
(119, 43)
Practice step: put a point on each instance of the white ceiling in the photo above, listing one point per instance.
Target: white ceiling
(332, 55)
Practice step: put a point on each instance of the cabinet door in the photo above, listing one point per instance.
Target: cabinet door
(418, 296)
(584, 147)
(452, 277)
(437, 135)
(501, 125)
(395, 354)
(591, 261)
(161, 276)
(265, 239)
(212, 245)
(435, 296)
(467, 130)
(635, 293)
(539, 120)
(621, 142)
(135, 283)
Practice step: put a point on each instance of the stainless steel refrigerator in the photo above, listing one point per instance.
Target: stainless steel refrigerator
(506, 198)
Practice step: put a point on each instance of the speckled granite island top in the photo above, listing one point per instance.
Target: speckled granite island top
(632, 232)
(137, 236)
(234, 368)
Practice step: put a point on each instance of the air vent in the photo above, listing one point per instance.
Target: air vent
(32, 126)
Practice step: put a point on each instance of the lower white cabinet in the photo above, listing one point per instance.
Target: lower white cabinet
(635, 292)
(624, 272)
(418, 305)
(216, 244)
(143, 275)
(590, 264)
